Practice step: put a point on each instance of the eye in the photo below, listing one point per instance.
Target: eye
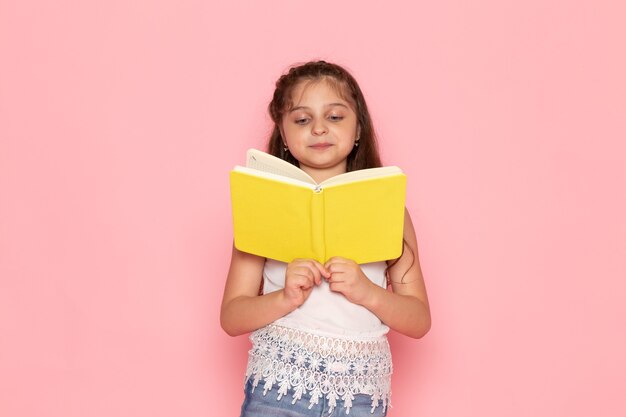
(335, 117)
(301, 121)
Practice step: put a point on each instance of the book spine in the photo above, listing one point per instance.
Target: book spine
(317, 225)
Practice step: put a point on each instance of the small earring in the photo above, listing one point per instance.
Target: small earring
(356, 143)
(285, 149)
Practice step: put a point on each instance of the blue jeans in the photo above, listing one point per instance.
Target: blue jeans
(255, 404)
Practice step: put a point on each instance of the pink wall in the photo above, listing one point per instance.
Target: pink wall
(119, 122)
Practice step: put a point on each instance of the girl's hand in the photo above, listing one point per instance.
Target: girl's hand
(347, 278)
(300, 278)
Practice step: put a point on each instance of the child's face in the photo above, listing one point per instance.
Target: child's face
(320, 129)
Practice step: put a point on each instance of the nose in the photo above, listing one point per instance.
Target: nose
(319, 128)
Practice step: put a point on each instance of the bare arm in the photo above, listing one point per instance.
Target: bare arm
(406, 309)
(243, 310)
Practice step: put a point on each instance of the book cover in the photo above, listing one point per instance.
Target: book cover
(279, 212)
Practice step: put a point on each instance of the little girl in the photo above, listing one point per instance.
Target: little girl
(319, 344)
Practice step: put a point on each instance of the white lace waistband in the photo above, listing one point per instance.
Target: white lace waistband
(336, 368)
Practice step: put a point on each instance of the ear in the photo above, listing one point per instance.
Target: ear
(358, 130)
(282, 134)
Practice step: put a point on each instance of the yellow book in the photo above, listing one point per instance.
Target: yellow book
(280, 212)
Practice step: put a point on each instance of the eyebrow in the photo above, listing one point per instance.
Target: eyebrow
(327, 105)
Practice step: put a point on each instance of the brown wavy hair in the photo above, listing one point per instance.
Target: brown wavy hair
(363, 156)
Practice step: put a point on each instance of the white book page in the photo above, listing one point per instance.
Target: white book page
(266, 163)
(275, 177)
(269, 163)
(361, 174)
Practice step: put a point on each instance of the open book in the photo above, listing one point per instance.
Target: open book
(280, 212)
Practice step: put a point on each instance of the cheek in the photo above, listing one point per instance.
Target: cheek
(295, 133)
(348, 133)
(286, 133)
(349, 127)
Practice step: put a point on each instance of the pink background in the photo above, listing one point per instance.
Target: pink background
(119, 122)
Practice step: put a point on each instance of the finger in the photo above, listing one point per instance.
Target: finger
(308, 272)
(300, 274)
(303, 281)
(337, 268)
(335, 260)
(337, 286)
(305, 269)
(336, 277)
(318, 271)
(323, 271)
(311, 263)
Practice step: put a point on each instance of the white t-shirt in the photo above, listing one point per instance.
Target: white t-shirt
(329, 313)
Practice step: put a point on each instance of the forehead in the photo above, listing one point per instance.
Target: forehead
(325, 89)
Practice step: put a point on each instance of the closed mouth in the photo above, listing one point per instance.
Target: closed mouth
(321, 145)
